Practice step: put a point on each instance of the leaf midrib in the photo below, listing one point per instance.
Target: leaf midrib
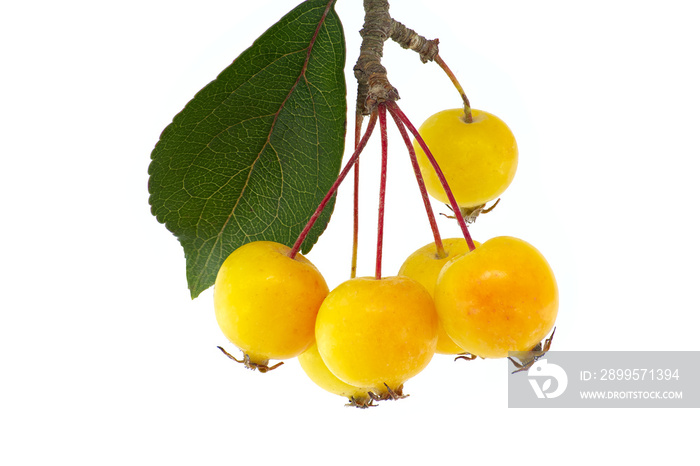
(302, 74)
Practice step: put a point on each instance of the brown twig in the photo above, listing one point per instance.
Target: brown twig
(373, 85)
(410, 39)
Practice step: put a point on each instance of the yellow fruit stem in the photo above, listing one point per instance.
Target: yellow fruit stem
(453, 78)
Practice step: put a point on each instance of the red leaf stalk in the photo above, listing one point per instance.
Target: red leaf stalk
(395, 110)
(344, 172)
(382, 189)
(359, 118)
(421, 186)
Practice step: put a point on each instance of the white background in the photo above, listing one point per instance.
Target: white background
(104, 359)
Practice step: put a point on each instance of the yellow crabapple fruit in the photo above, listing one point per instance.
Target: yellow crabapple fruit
(500, 297)
(266, 302)
(377, 333)
(424, 266)
(478, 159)
(314, 367)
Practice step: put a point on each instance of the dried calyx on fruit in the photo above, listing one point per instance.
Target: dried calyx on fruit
(266, 302)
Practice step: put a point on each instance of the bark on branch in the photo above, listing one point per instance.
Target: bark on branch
(373, 86)
(410, 39)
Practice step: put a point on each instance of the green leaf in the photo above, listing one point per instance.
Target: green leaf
(253, 153)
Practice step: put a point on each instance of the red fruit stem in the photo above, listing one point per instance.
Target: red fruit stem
(344, 172)
(382, 189)
(421, 186)
(394, 109)
(467, 106)
(359, 118)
